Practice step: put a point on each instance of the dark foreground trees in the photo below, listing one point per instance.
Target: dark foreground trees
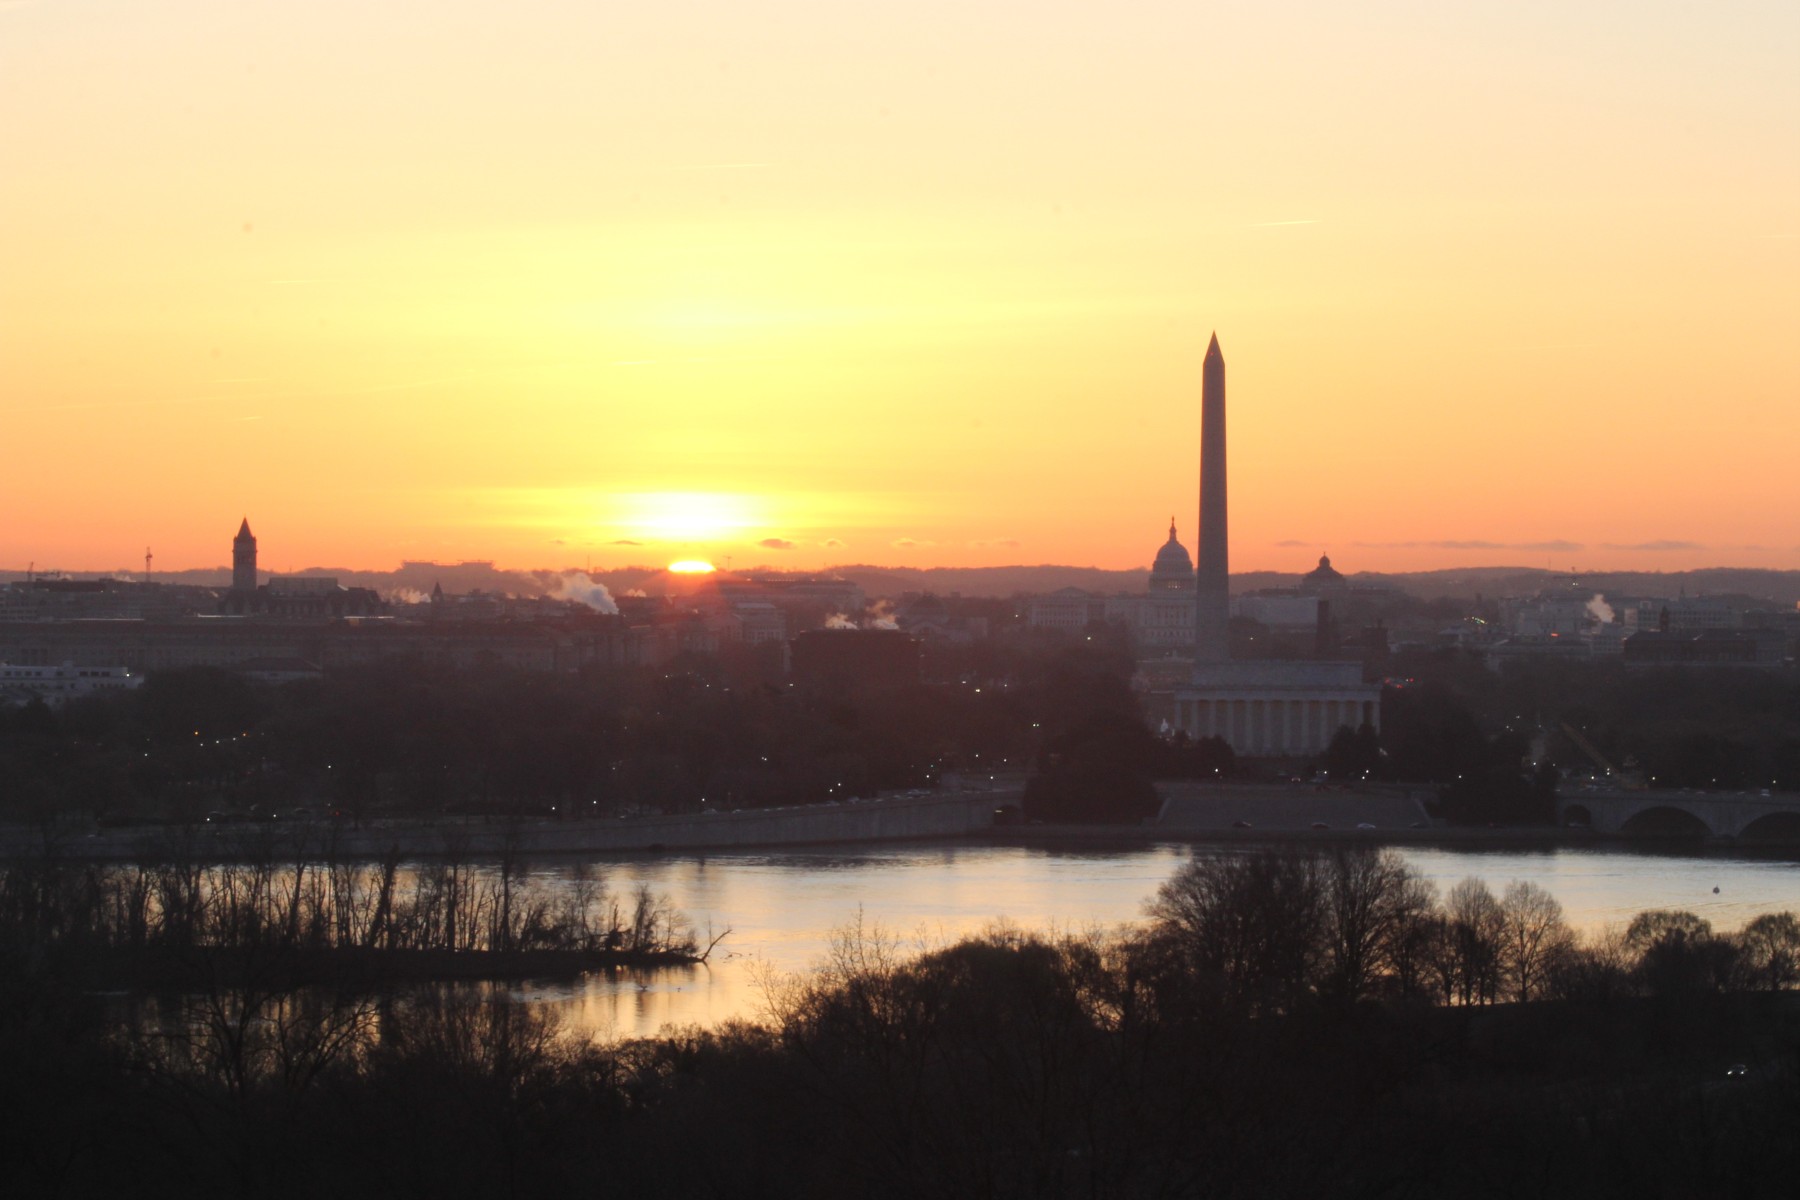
(1275, 931)
(1167, 1061)
(287, 903)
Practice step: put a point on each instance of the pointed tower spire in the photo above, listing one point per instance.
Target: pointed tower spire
(1212, 576)
(243, 559)
(1171, 527)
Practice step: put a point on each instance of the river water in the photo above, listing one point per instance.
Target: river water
(782, 908)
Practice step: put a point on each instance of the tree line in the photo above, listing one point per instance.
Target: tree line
(288, 911)
(1268, 931)
(410, 738)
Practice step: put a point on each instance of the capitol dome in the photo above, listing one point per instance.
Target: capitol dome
(1173, 567)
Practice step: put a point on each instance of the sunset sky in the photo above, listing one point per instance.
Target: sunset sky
(801, 282)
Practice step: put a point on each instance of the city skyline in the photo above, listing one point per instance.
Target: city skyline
(801, 286)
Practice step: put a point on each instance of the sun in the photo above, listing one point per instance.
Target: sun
(691, 566)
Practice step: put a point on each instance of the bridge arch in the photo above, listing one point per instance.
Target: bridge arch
(1577, 816)
(1781, 827)
(1664, 820)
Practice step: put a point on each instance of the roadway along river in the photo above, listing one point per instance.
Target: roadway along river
(783, 907)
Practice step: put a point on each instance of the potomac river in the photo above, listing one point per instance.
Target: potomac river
(783, 907)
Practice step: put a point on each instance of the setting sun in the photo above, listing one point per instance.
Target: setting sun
(691, 566)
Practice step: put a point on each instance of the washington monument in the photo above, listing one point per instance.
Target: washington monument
(1212, 585)
(1280, 708)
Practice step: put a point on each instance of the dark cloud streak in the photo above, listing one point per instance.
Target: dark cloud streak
(1557, 546)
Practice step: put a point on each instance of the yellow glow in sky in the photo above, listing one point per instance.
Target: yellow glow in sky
(802, 282)
(684, 515)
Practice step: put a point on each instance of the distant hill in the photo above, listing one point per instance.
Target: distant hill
(414, 580)
(1782, 587)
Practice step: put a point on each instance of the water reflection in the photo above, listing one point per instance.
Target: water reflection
(782, 907)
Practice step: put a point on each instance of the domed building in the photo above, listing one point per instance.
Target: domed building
(1173, 570)
(1165, 620)
(1161, 619)
(1323, 580)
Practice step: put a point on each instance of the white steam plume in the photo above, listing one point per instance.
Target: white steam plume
(583, 590)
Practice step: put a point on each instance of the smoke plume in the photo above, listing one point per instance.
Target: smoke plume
(881, 616)
(583, 590)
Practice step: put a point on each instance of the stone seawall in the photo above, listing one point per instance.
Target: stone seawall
(1277, 808)
(952, 814)
(864, 821)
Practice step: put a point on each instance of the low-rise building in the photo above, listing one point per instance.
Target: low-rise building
(1068, 609)
(21, 683)
(1707, 648)
(929, 619)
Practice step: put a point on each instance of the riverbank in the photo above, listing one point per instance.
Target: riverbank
(198, 969)
(1450, 836)
(1190, 812)
(892, 819)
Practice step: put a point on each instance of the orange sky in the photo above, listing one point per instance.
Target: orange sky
(917, 284)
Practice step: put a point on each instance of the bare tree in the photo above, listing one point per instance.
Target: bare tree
(1367, 898)
(1249, 925)
(1595, 969)
(1771, 948)
(1659, 926)
(1418, 924)
(1473, 928)
(1532, 934)
(1677, 952)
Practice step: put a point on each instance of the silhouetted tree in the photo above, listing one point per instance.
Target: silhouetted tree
(1532, 935)
(1371, 899)
(1098, 771)
(1469, 966)
(1771, 949)
(1354, 754)
(1248, 927)
(1678, 954)
(1197, 758)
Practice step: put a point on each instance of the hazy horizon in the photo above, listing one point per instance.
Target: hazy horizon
(223, 570)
